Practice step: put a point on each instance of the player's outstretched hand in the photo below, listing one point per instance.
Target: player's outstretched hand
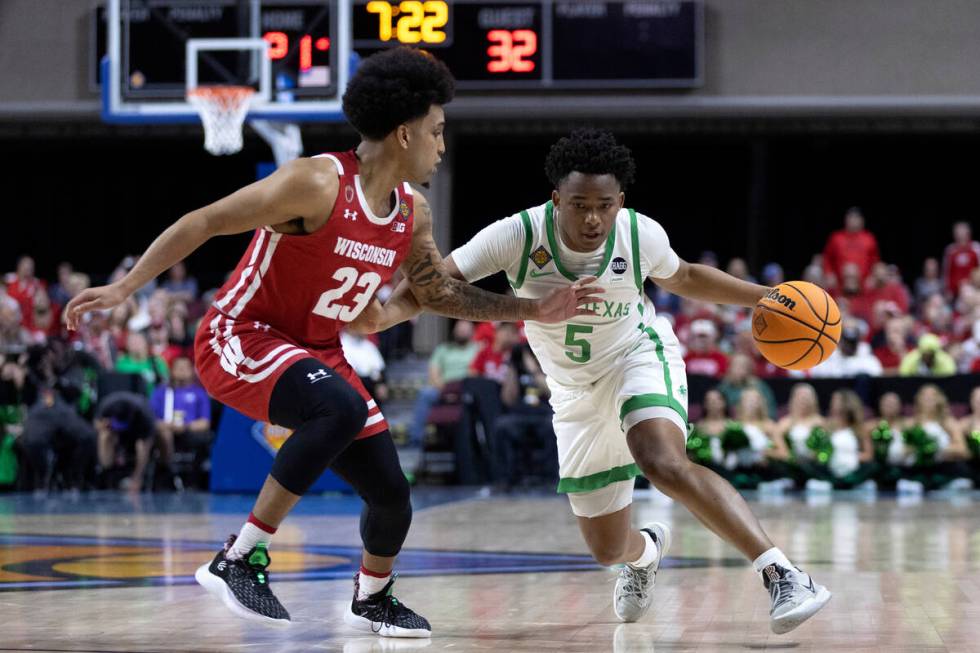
(564, 303)
(92, 299)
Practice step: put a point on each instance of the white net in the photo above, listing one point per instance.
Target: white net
(222, 110)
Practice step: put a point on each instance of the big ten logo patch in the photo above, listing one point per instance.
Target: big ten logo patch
(270, 436)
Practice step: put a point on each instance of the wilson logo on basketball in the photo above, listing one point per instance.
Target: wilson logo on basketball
(779, 298)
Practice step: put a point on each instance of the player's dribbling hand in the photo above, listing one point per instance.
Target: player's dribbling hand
(564, 303)
(92, 299)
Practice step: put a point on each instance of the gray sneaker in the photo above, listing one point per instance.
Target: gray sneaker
(634, 587)
(795, 597)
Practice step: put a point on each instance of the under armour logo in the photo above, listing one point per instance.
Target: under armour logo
(222, 565)
(682, 390)
(350, 215)
(319, 375)
(260, 326)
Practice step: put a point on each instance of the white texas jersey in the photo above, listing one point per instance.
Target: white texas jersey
(527, 247)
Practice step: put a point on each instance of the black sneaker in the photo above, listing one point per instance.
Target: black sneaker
(384, 615)
(243, 585)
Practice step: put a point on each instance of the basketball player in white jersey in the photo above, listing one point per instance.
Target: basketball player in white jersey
(617, 379)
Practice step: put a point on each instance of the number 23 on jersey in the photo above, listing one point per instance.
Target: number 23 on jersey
(349, 278)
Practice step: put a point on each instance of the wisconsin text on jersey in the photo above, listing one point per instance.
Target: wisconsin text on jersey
(364, 252)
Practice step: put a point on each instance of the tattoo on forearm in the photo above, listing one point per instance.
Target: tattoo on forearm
(438, 291)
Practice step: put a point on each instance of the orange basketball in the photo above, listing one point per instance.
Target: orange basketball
(797, 325)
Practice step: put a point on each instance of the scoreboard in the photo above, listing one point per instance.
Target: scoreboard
(487, 44)
(561, 45)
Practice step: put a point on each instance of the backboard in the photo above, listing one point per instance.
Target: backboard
(151, 52)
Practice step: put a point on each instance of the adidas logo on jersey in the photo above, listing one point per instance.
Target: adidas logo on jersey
(364, 252)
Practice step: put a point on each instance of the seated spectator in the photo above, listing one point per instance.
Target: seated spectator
(738, 268)
(747, 445)
(22, 285)
(933, 448)
(936, 318)
(740, 377)
(969, 359)
(183, 417)
(852, 358)
(772, 274)
(126, 424)
(927, 359)
(804, 415)
(524, 438)
(930, 283)
(492, 361)
(449, 362)
(45, 323)
(853, 244)
(59, 291)
(365, 358)
(703, 356)
(960, 258)
(691, 310)
(95, 336)
(970, 426)
(137, 360)
(119, 318)
(56, 435)
(859, 302)
(885, 432)
(704, 445)
(14, 338)
(181, 286)
(885, 286)
(896, 346)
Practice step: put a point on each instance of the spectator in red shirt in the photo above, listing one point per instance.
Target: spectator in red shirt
(960, 257)
(859, 302)
(22, 285)
(852, 244)
(703, 356)
(896, 345)
(491, 362)
(937, 318)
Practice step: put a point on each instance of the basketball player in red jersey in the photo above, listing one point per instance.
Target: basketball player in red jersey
(329, 230)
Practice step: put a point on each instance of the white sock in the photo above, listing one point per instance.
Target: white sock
(249, 536)
(773, 555)
(368, 585)
(650, 551)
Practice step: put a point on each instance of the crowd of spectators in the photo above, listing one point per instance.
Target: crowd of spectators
(929, 327)
(117, 402)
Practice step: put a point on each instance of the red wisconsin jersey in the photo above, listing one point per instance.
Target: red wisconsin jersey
(308, 286)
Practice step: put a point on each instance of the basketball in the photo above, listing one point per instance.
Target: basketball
(797, 325)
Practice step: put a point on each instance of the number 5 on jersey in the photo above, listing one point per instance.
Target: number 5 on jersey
(348, 278)
(583, 346)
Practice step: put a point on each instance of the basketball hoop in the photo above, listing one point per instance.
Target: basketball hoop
(222, 110)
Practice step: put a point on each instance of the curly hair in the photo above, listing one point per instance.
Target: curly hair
(591, 152)
(393, 87)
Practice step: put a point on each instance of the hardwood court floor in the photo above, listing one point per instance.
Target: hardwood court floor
(110, 573)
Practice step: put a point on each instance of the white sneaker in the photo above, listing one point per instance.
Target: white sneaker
(959, 485)
(634, 587)
(868, 487)
(795, 597)
(819, 487)
(905, 486)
